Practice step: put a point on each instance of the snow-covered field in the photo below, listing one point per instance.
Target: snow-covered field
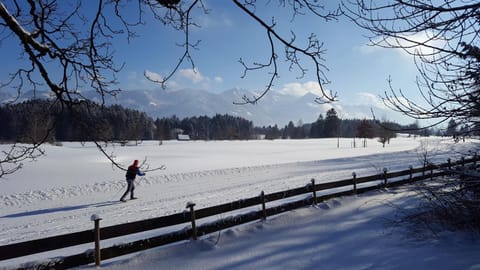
(58, 193)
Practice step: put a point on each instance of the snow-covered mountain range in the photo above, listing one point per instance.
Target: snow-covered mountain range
(274, 108)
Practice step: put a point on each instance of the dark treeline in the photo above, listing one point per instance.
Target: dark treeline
(332, 126)
(218, 127)
(35, 120)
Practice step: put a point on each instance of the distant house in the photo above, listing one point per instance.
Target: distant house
(178, 133)
(259, 136)
(175, 132)
(183, 137)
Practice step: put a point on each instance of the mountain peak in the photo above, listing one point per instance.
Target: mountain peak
(274, 108)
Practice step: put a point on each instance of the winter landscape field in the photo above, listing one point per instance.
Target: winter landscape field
(59, 192)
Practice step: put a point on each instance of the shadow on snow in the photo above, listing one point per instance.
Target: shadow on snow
(59, 209)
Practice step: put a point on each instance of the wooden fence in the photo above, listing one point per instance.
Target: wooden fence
(384, 179)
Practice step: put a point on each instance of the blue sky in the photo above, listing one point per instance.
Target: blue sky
(357, 72)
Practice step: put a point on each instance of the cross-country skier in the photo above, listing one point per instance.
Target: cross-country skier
(132, 172)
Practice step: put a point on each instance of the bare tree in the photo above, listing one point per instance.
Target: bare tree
(293, 51)
(385, 132)
(66, 47)
(365, 131)
(443, 37)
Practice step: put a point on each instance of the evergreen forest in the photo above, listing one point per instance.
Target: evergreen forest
(42, 120)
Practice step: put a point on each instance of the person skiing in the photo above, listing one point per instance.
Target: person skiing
(132, 172)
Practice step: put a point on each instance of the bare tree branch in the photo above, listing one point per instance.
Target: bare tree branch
(62, 54)
(181, 20)
(313, 51)
(67, 48)
(443, 37)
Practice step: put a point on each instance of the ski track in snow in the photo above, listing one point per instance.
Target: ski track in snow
(42, 213)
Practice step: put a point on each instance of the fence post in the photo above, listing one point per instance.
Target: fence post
(192, 216)
(264, 209)
(314, 192)
(385, 177)
(354, 175)
(96, 234)
(410, 179)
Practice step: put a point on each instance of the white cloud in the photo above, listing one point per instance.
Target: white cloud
(183, 78)
(370, 99)
(193, 75)
(218, 79)
(420, 38)
(300, 89)
(173, 85)
(368, 49)
(411, 44)
(367, 105)
(153, 75)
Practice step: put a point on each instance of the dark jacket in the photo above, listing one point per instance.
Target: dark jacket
(132, 172)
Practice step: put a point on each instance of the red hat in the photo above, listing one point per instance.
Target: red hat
(135, 162)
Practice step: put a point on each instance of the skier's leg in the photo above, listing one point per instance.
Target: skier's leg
(129, 186)
(132, 189)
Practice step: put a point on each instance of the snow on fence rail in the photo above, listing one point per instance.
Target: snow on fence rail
(386, 179)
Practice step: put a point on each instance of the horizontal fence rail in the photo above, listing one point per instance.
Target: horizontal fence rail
(16, 250)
